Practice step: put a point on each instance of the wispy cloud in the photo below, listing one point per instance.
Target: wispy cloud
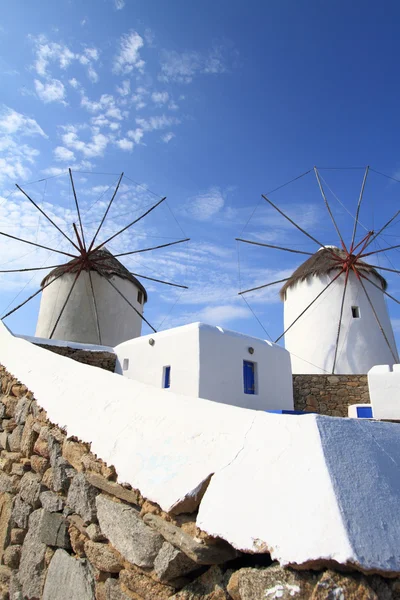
(205, 205)
(182, 67)
(128, 57)
(63, 154)
(50, 91)
(119, 4)
(166, 138)
(12, 122)
(157, 122)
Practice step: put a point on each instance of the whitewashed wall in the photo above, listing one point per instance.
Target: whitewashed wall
(305, 487)
(207, 362)
(312, 339)
(384, 391)
(118, 321)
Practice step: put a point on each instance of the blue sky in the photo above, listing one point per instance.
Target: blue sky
(210, 104)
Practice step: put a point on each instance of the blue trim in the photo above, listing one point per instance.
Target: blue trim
(289, 412)
(364, 412)
(167, 377)
(249, 382)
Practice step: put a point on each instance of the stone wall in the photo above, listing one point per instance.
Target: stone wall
(69, 531)
(329, 394)
(103, 360)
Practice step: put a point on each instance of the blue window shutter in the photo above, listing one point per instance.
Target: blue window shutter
(248, 377)
(167, 377)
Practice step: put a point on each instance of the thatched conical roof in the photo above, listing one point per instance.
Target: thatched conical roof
(108, 266)
(321, 263)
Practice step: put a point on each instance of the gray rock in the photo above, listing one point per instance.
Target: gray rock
(11, 556)
(32, 567)
(82, 498)
(274, 581)
(62, 475)
(4, 440)
(22, 410)
(126, 531)
(68, 578)
(30, 489)
(14, 439)
(112, 591)
(6, 483)
(172, 563)
(94, 533)
(55, 450)
(2, 410)
(51, 502)
(54, 530)
(200, 552)
(20, 512)
(15, 588)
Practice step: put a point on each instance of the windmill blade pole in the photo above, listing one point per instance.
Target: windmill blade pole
(153, 248)
(78, 237)
(340, 322)
(259, 287)
(106, 213)
(185, 287)
(378, 251)
(377, 267)
(311, 303)
(77, 208)
(130, 225)
(383, 228)
(13, 237)
(378, 321)
(378, 287)
(30, 269)
(47, 217)
(131, 305)
(66, 302)
(30, 297)
(95, 306)
(295, 224)
(353, 237)
(329, 208)
(271, 246)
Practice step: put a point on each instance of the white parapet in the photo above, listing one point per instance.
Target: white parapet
(306, 488)
(384, 391)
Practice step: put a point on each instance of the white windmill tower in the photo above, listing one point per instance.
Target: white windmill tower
(92, 298)
(335, 314)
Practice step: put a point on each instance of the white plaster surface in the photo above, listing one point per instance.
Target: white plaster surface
(207, 362)
(118, 321)
(312, 339)
(384, 391)
(306, 487)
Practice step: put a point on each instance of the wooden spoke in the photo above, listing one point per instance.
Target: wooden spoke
(106, 213)
(378, 287)
(96, 314)
(382, 268)
(66, 301)
(275, 247)
(131, 305)
(47, 217)
(30, 269)
(353, 237)
(31, 297)
(259, 287)
(128, 226)
(329, 208)
(311, 303)
(13, 237)
(395, 358)
(77, 208)
(378, 251)
(160, 281)
(148, 249)
(340, 321)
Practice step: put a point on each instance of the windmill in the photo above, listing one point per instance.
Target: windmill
(335, 314)
(92, 298)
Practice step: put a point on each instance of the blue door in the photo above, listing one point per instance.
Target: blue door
(248, 377)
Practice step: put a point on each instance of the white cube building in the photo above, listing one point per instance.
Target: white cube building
(210, 362)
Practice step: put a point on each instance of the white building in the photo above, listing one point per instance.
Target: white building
(209, 362)
(117, 320)
(312, 339)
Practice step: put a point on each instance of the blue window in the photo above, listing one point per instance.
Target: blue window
(364, 412)
(167, 377)
(249, 377)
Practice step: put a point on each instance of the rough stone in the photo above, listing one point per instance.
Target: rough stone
(94, 533)
(143, 586)
(30, 489)
(20, 468)
(200, 552)
(47, 479)
(4, 440)
(82, 498)
(68, 578)
(73, 453)
(5, 521)
(112, 591)
(54, 530)
(20, 512)
(17, 536)
(336, 585)
(6, 483)
(62, 474)
(22, 410)
(15, 438)
(32, 572)
(112, 488)
(15, 588)
(171, 563)
(29, 437)
(51, 502)
(104, 557)
(39, 464)
(11, 556)
(272, 582)
(209, 586)
(77, 540)
(41, 446)
(5, 574)
(126, 531)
